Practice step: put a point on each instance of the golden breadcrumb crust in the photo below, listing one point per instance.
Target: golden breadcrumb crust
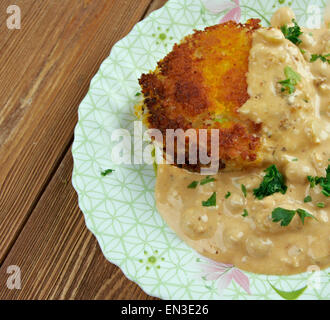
(202, 84)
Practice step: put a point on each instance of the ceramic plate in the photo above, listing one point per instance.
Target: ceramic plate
(119, 208)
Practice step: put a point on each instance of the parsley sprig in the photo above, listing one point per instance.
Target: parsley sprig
(243, 188)
(273, 182)
(324, 182)
(285, 216)
(292, 79)
(193, 185)
(228, 195)
(292, 33)
(321, 57)
(245, 213)
(211, 202)
(206, 180)
(106, 172)
(308, 199)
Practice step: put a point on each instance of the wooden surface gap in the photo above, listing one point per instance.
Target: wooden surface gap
(34, 204)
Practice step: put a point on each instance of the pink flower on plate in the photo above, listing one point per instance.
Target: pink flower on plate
(218, 6)
(225, 274)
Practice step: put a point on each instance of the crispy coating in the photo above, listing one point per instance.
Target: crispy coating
(202, 84)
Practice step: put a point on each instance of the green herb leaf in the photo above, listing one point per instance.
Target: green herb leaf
(106, 172)
(304, 214)
(324, 182)
(211, 202)
(321, 57)
(288, 86)
(292, 33)
(292, 79)
(285, 216)
(320, 205)
(138, 94)
(227, 195)
(282, 215)
(311, 181)
(193, 185)
(243, 188)
(208, 179)
(291, 74)
(308, 199)
(245, 214)
(273, 182)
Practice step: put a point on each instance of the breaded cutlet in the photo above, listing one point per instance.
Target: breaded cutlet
(201, 84)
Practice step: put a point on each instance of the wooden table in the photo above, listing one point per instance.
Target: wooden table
(45, 71)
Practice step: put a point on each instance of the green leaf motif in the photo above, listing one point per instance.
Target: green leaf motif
(289, 295)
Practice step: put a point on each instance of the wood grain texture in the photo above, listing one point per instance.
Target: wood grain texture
(45, 70)
(154, 5)
(58, 257)
(41, 227)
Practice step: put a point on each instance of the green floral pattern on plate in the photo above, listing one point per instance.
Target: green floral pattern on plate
(119, 208)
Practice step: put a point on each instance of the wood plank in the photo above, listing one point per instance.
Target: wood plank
(155, 4)
(58, 257)
(45, 70)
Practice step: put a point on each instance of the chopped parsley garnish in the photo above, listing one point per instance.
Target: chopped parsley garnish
(227, 195)
(292, 79)
(245, 214)
(138, 94)
(208, 179)
(311, 181)
(308, 199)
(106, 172)
(321, 57)
(304, 214)
(243, 188)
(211, 202)
(320, 205)
(292, 33)
(193, 185)
(295, 160)
(324, 182)
(273, 182)
(285, 216)
(282, 215)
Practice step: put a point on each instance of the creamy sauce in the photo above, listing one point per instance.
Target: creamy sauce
(295, 137)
